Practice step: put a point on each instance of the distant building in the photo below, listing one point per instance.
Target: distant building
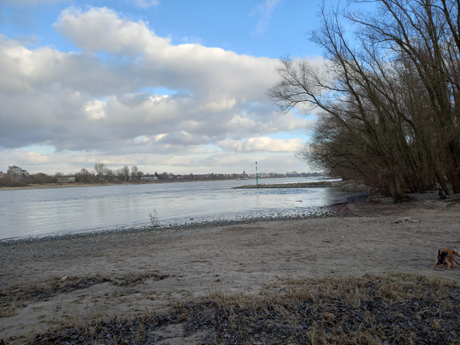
(16, 171)
(1, 174)
(66, 179)
(149, 178)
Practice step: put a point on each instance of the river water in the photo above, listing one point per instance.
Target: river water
(38, 212)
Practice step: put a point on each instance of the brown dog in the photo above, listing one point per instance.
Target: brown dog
(446, 256)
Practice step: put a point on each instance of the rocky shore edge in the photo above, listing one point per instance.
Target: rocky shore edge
(315, 184)
(346, 186)
(322, 212)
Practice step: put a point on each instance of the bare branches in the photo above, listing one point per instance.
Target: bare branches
(389, 101)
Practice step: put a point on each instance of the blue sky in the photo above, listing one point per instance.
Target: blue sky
(258, 28)
(176, 86)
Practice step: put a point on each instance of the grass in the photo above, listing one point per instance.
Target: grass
(394, 309)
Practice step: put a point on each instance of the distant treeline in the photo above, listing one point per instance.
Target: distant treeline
(102, 174)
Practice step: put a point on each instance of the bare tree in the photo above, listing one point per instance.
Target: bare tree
(109, 174)
(84, 176)
(119, 174)
(41, 178)
(134, 171)
(388, 101)
(126, 172)
(100, 170)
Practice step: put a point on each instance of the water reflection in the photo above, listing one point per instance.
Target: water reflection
(45, 211)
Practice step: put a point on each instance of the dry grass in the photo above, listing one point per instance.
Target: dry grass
(395, 309)
(399, 308)
(17, 296)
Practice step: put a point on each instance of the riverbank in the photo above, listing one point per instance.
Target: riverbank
(318, 184)
(346, 186)
(135, 275)
(324, 183)
(80, 184)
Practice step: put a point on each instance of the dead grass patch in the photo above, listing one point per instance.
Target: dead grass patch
(17, 296)
(394, 309)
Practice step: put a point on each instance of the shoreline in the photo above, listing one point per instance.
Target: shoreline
(324, 211)
(79, 184)
(315, 184)
(76, 185)
(345, 186)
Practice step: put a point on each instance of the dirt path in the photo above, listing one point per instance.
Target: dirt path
(380, 238)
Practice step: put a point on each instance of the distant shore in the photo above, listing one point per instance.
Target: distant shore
(52, 185)
(347, 186)
(79, 184)
(325, 183)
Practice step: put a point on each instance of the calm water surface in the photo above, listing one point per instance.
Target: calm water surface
(37, 212)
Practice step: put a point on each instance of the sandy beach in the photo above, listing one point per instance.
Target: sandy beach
(133, 273)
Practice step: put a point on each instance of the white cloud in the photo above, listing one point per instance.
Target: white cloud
(146, 3)
(80, 103)
(25, 158)
(192, 39)
(160, 136)
(264, 11)
(142, 139)
(184, 66)
(95, 110)
(262, 144)
(218, 105)
(101, 29)
(179, 163)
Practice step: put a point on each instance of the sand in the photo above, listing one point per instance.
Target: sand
(373, 236)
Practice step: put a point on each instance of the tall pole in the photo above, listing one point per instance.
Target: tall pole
(257, 177)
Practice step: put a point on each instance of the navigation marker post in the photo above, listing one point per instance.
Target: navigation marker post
(257, 177)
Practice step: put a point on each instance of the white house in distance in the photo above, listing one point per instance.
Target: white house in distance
(149, 177)
(66, 179)
(16, 171)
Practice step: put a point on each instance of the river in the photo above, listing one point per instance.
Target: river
(38, 212)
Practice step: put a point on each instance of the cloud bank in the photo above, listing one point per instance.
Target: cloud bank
(131, 92)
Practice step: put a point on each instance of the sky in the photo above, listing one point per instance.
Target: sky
(167, 85)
